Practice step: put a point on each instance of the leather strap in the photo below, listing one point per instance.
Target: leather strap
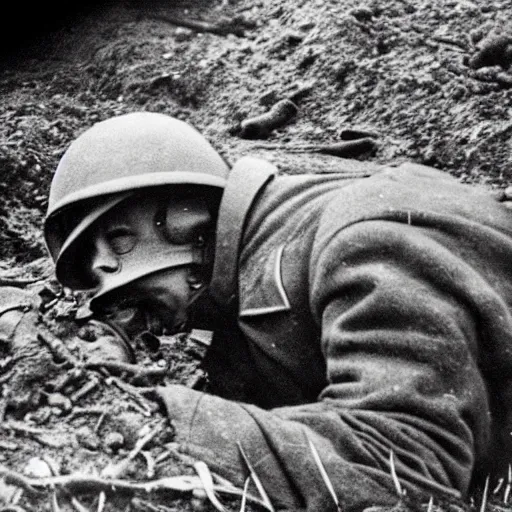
(246, 179)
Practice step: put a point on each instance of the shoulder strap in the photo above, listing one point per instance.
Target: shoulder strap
(246, 179)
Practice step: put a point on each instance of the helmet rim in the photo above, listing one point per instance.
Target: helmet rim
(135, 183)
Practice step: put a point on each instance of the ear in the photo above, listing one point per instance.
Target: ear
(185, 221)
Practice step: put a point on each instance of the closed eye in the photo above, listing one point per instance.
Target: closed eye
(121, 240)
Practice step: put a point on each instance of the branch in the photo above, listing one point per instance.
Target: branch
(220, 28)
(89, 483)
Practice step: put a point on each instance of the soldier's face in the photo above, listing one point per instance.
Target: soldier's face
(124, 251)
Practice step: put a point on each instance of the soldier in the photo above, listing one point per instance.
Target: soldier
(354, 319)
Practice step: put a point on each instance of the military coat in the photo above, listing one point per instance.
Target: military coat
(370, 323)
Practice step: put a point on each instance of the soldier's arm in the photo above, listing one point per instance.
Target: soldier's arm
(399, 316)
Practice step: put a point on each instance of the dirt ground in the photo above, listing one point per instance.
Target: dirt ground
(426, 81)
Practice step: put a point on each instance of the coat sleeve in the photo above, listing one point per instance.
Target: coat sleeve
(399, 309)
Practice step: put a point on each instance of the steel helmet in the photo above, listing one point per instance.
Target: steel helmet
(110, 162)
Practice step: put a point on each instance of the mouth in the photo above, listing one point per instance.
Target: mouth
(159, 323)
(138, 316)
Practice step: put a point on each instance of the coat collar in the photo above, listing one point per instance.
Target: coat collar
(246, 179)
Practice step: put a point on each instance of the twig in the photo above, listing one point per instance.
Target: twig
(135, 370)
(18, 283)
(150, 463)
(452, 42)
(22, 428)
(163, 457)
(24, 306)
(206, 478)
(430, 504)
(17, 479)
(243, 504)
(7, 376)
(256, 479)
(147, 410)
(77, 505)
(72, 375)
(58, 349)
(32, 432)
(325, 476)
(396, 481)
(102, 500)
(89, 483)
(146, 506)
(82, 411)
(55, 502)
(509, 485)
(89, 386)
(485, 495)
(99, 422)
(221, 28)
(498, 486)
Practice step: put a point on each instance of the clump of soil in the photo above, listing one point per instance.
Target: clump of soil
(427, 81)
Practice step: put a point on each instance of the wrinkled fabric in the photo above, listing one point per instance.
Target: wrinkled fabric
(374, 317)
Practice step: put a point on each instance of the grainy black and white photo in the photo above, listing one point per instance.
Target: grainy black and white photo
(256, 255)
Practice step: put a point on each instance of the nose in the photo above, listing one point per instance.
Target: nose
(104, 261)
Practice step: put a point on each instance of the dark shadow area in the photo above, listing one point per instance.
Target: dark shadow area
(26, 24)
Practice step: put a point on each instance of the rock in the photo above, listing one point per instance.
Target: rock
(183, 34)
(508, 193)
(87, 333)
(361, 13)
(37, 467)
(494, 51)
(293, 38)
(60, 401)
(113, 441)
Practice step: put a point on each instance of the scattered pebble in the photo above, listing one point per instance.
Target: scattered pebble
(361, 13)
(508, 193)
(114, 441)
(87, 333)
(494, 51)
(38, 468)
(60, 401)
(293, 38)
(183, 34)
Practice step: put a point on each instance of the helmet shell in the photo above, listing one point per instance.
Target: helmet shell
(125, 154)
